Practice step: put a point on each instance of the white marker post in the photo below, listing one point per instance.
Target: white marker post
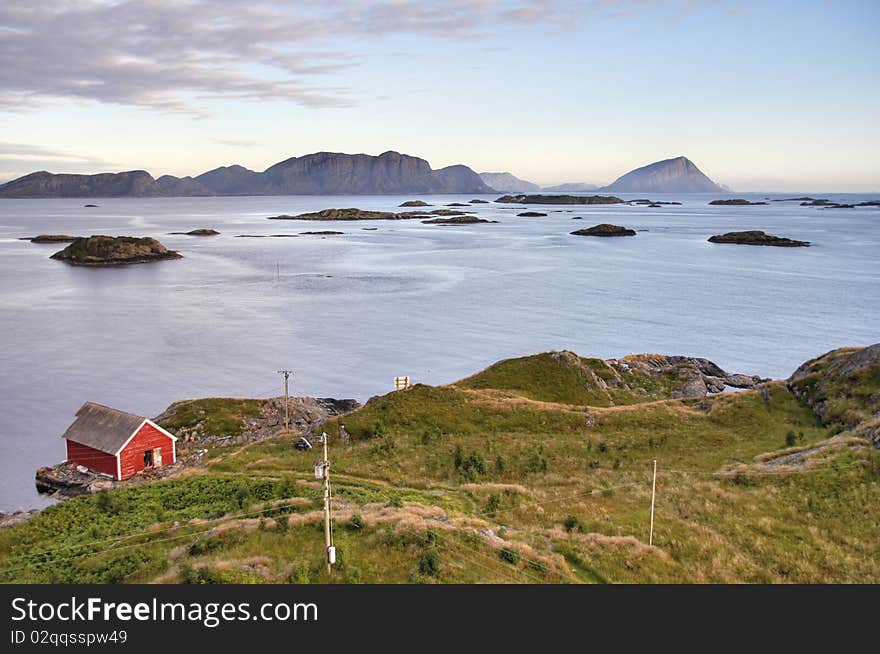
(653, 492)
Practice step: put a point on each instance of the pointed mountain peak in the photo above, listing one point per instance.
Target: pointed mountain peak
(676, 175)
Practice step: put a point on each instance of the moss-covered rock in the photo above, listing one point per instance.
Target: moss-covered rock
(604, 229)
(736, 202)
(757, 237)
(841, 386)
(114, 251)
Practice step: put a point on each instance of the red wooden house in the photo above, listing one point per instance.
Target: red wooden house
(116, 443)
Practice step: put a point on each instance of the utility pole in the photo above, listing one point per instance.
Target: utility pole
(328, 535)
(286, 374)
(653, 491)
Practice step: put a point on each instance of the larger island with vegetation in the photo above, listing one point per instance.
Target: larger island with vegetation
(114, 251)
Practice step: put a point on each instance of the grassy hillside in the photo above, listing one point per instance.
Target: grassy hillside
(568, 378)
(528, 472)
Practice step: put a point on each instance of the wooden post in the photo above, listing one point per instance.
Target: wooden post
(286, 374)
(653, 491)
(328, 542)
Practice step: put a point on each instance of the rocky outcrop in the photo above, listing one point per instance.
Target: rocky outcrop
(134, 183)
(17, 518)
(68, 479)
(678, 175)
(757, 237)
(604, 230)
(414, 203)
(507, 183)
(114, 251)
(531, 214)
(736, 202)
(559, 199)
(843, 388)
(305, 413)
(691, 376)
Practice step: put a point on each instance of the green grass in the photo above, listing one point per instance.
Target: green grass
(566, 378)
(64, 543)
(437, 411)
(217, 415)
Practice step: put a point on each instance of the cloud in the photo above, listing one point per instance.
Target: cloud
(171, 54)
(17, 159)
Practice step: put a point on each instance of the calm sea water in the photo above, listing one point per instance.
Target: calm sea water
(349, 312)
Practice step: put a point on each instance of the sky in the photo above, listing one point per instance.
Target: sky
(761, 95)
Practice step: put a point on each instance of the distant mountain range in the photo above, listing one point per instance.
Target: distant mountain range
(678, 175)
(335, 173)
(322, 173)
(508, 183)
(571, 187)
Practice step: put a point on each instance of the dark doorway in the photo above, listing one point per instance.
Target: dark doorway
(148, 459)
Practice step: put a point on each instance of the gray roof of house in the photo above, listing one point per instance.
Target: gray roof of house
(102, 428)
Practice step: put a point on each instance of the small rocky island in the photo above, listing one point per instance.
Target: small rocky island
(114, 251)
(457, 220)
(415, 203)
(559, 199)
(736, 202)
(365, 214)
(531, 214)
(604, 230)
(351, 213)
(196, 232)
(50, 238)
(757, 237)
(651, 203)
